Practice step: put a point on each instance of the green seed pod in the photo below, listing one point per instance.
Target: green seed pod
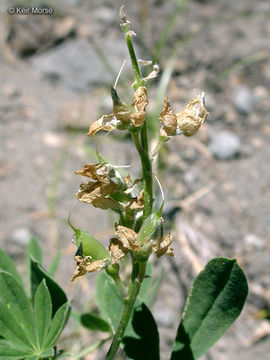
(149, 226)
(90, 245)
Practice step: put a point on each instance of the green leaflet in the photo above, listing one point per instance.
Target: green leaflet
(109, 301)
(146, 347)
(94, 323)
(8, 265)
(15, 311)
(8, 351)
(58, 322)
(215, 301)
(150, 286)
(33, 250)
(42, 311)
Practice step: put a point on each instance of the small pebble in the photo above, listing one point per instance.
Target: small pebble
(164, 317)
(225, 145)
(21, 236)
(253, 241)
(244, 100)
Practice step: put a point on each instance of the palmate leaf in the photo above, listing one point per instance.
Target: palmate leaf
(215, 301)
(22, 335)
(146, 347)
(25, 334)
(38, 273)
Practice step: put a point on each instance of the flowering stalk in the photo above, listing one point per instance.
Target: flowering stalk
(140, 227)
(141, 143)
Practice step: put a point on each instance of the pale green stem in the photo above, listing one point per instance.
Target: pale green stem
(137, 276)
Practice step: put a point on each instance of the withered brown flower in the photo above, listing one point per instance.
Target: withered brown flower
(169, 120)
(125, 241)
(136, 203)
(86, 264)
(97, 192)
(187, 121)
(193, 115)
(123, 115)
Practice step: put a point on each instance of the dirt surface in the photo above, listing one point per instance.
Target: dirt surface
(55, 77)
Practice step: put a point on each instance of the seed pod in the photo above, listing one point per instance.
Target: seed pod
(149, 226)
(120, 109)
(90, 245)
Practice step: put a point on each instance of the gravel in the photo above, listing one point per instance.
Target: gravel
(225, 145)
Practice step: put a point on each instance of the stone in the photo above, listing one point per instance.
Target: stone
(104, 15)
(244, 99)
(164, 317)
(20, 236)
(77, 65)
(225, 145)
(253, 241)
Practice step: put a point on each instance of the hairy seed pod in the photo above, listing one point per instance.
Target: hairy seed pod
(150, 225)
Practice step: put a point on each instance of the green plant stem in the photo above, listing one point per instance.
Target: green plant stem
(147, 176)
(137, 73)
(138, 267)
(137, 276)
(147, 173)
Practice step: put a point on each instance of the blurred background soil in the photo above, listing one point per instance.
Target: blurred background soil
(55, 77)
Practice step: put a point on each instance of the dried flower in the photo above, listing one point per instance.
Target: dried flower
(162, 247)
(123, 115)
(153, 74)
(169, 120)
(125, 241)
(139, 103)
(187, 121)
(86, 264)
(98, 193)
(106, 122)
(192, 116)
(136, 203)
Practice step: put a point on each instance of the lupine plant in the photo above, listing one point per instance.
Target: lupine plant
(220, 290)
(216, 297)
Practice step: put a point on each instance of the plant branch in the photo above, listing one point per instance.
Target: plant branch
(137, 276)
(138, 266)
